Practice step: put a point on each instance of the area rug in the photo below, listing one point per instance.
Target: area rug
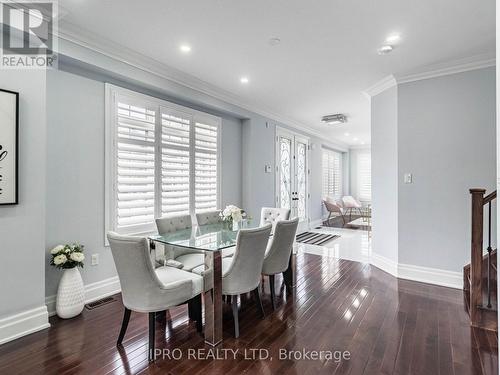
(318, 239)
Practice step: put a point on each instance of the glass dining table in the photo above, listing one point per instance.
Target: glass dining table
(210, 239)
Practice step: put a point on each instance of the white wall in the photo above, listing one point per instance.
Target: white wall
(384, 133)
(446, 136)
(22, 227)
(75, 172)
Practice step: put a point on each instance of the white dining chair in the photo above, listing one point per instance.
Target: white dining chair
(208, 217)
(188, 258)
(213, 217)
(272, 215)
(148, 290)
(242, 272)
(279, 250)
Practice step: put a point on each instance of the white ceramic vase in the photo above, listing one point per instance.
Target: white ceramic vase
(70, 294)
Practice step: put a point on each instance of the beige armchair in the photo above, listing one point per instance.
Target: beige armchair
(333, 207)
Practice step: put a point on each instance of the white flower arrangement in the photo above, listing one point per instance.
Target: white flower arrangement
(233, 214)
(67, 256)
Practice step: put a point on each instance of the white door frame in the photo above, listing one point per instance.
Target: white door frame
(294, 138)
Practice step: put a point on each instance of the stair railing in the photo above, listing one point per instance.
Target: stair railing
(476, 273)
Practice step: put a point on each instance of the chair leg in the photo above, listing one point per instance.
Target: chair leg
(191, 309)
(271, 285)
(197, 315)
(152, 326)
(256, 292)
(123, 330)
(234, 305)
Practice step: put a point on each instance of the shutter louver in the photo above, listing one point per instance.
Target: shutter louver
(206, 144)
(175, 163)
(135, 184)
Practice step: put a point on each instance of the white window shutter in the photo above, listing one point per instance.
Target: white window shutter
(332, 174)
(135, 167)
(206, 164)
(175, 155)
(365, 177)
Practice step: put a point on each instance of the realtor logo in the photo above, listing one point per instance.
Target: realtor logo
(28, 30)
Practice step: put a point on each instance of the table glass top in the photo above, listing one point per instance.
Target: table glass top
(211, 237)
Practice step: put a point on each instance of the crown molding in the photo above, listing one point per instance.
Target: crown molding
(90, 41)
(382, 85)
(432, 71)
(447, 68)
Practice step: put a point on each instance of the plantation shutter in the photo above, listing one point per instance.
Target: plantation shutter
(206, 145)
(332, 174)
(135, 166)
(365, 177)
(161, 159)
(175, 159)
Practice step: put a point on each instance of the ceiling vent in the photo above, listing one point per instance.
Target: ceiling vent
(338, 118)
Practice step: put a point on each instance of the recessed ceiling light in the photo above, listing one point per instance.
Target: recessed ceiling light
(384, 50)
(346, 134)
(393, 38)
(362, 142)
(244, 80)
(185, 48)
(355, 138)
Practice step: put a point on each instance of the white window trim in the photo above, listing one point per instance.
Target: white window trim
(111, 93)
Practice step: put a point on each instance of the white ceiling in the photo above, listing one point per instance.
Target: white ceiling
(326, 58)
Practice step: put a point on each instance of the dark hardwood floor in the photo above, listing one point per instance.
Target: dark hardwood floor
(388, 326)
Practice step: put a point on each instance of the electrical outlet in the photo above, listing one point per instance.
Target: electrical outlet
(94, 260)
(408, 178)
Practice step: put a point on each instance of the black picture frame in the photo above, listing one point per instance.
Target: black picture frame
(16, 154)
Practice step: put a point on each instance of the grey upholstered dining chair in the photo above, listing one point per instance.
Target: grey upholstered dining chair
(242, 272)
(278, 252)
(213, 217)
(149, 290)
(208, 217)
(272, 215)
(189, 258)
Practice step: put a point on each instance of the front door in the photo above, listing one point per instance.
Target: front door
(292, 175)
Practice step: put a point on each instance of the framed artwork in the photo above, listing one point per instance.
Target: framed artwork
(9, 142)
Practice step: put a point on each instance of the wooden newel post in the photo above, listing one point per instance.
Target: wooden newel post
(476, 274)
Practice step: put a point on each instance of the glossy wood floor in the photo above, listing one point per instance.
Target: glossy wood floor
(389, 326)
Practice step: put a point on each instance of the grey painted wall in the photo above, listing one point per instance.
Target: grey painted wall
(446, 136)
(384, 131)
(75, 170)
(22, 227)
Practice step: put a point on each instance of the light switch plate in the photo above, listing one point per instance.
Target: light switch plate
(408, 178)
(267, 168)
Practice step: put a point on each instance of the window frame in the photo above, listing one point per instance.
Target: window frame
(112, 94)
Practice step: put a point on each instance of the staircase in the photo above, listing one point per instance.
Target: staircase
(480, 275)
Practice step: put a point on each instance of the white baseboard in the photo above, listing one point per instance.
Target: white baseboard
(385, 264)
(427, 275)
(434, 276)
(24, 323)
(93, 292)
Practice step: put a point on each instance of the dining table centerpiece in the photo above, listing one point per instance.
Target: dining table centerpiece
(232, 216)
(70, 298)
